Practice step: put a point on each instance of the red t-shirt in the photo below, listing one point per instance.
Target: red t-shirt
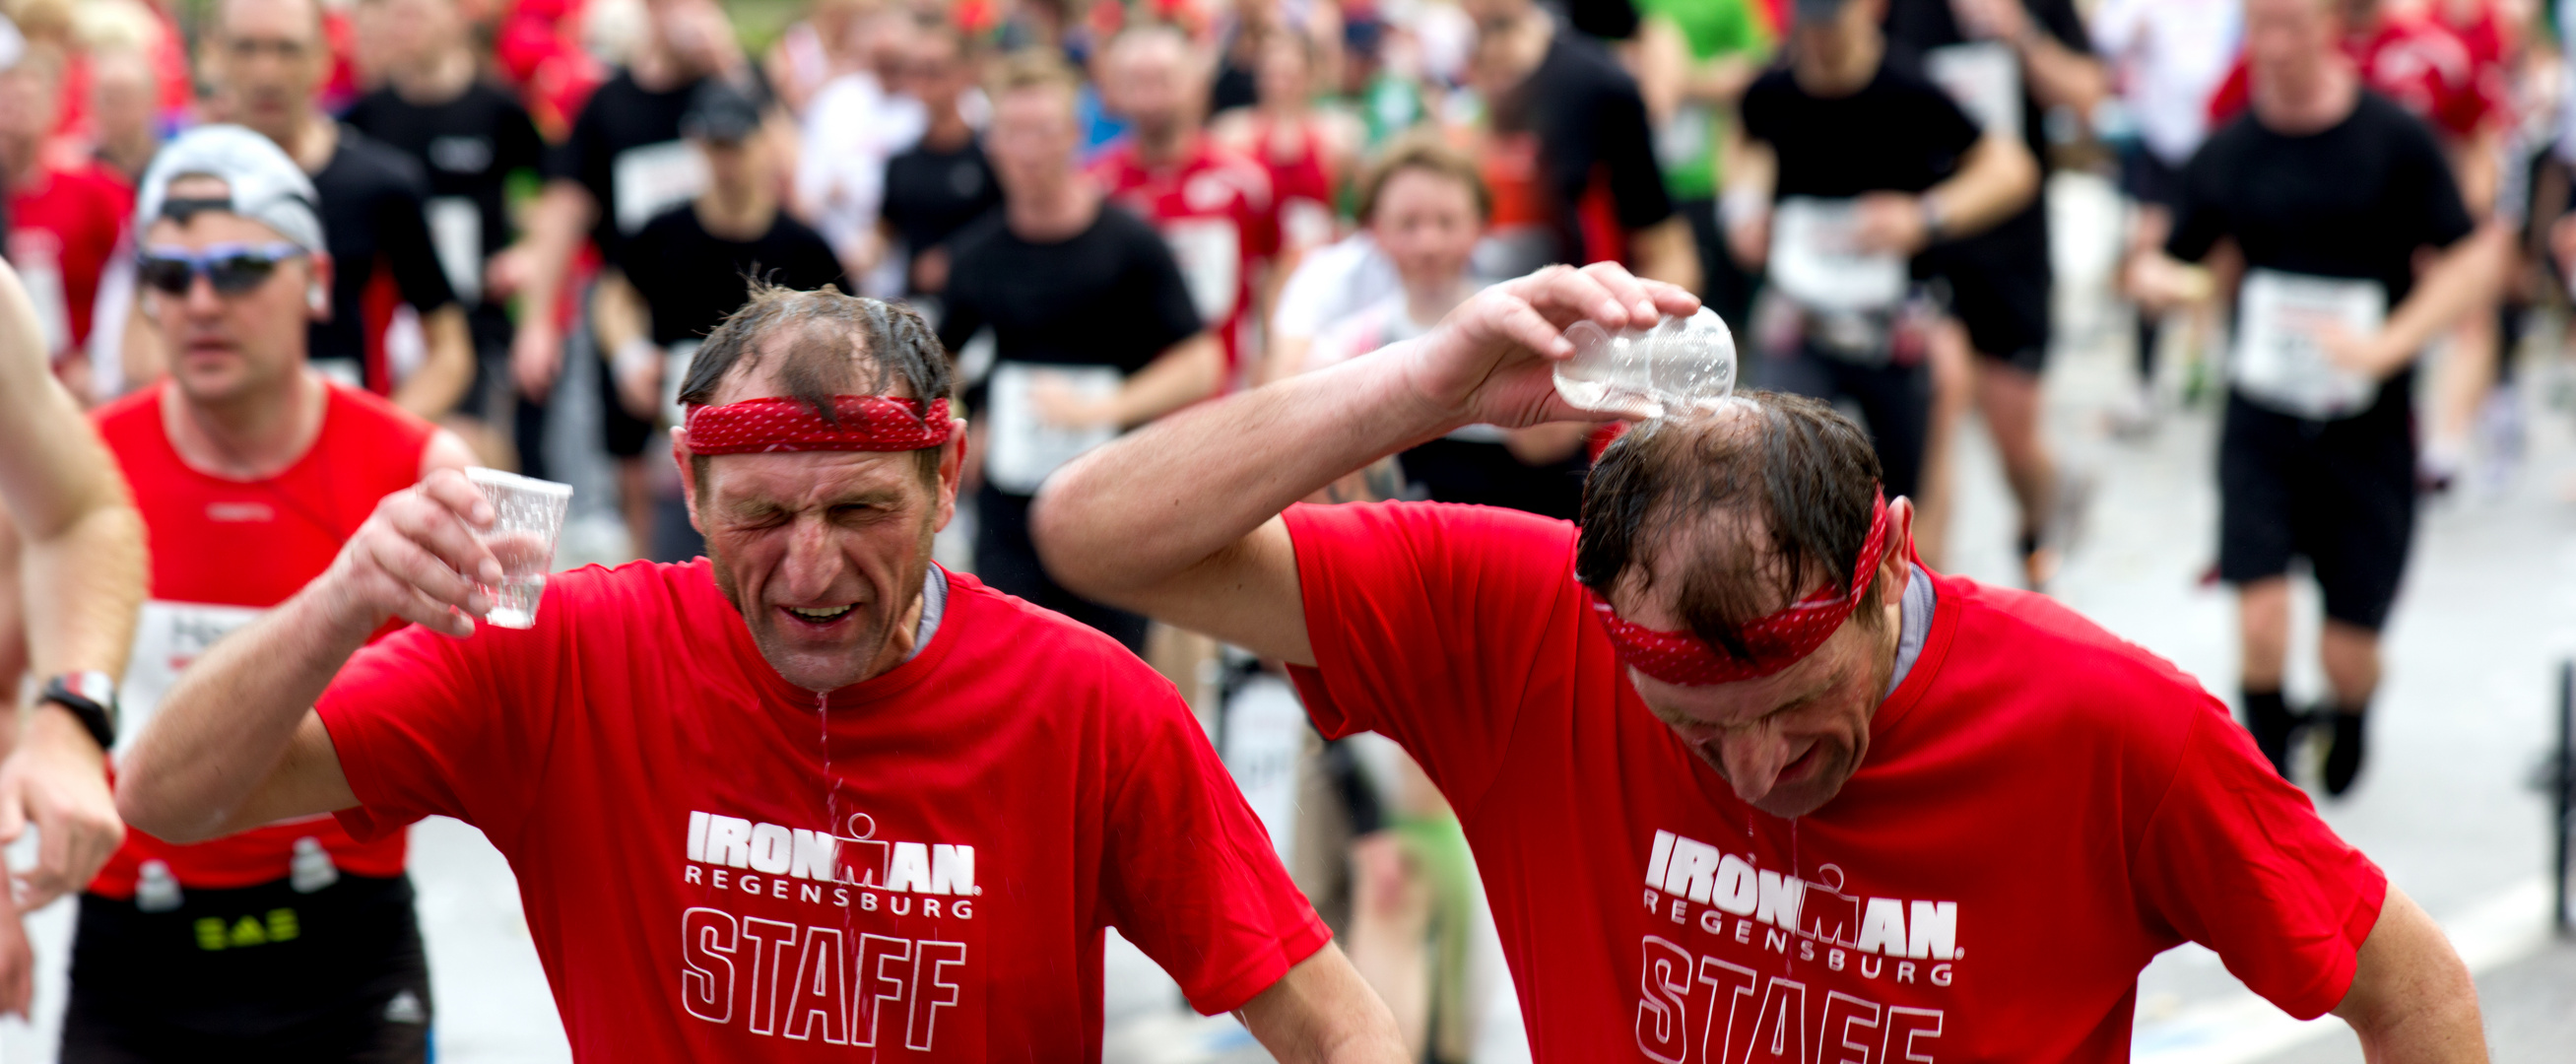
(1216, 210)
(223, 551)
(2043, 809)
(64, 225)
(699, 891)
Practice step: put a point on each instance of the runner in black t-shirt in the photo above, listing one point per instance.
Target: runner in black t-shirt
(1093, 329)
(268, 58)
(469, 137)
(690, 268)
(2009, 63)
(2332, 195)
(1865, 162)
(622, 163)
(944, 182)
(1569, 117)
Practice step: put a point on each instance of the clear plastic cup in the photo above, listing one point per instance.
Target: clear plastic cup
(1679, 364)
(528, 517)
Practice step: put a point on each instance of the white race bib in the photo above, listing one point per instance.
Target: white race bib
(456, 232)
(2280, 362)
(1984, 78)
(1815, 260)
(167, 637)
(1210, 254)
(1022, 450)
(653, 179)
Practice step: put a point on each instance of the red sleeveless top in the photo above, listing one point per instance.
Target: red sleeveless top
(224, 550)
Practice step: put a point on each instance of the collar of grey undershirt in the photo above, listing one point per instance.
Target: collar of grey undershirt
(1914, 625)
(934, 601)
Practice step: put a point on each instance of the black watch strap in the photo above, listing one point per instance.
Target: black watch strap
(99, 717)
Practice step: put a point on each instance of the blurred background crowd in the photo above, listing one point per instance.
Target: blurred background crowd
(1110, 210)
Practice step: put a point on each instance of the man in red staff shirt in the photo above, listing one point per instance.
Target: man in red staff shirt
(1744, 782)
(806, 794)
(1212, 205)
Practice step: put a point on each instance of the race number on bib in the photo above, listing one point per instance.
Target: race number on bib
(1025, 449)
(653, 179)
(456, 232)
(1984, 78)
(2281, 361)
(1816, 261)
(1210, 254)
(167, 637)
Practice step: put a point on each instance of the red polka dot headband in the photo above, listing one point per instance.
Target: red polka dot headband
(867, 423)
(1776, 642)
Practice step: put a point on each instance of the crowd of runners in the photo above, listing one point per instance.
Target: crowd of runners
(1219, 335)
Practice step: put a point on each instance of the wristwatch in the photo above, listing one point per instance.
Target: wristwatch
(90, 696)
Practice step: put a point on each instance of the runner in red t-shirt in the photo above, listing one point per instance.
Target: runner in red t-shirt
(1744, 782)
(250, 470)
(1212, 205)
(808, 794)
(64, 219)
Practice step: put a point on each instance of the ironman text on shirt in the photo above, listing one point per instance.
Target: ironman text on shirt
(829, 981)
(1687, 999)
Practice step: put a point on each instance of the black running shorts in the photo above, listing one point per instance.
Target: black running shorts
(258, 973)
(2339, 493)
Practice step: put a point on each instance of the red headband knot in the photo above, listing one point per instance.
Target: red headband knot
(867, 423)
(1776, 642)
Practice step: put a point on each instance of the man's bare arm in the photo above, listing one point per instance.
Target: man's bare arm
(1321, 1012)
(443, 376)
(1996, 178)
(80, 577)
(1180, 519)
(535, 270)
(2411, 999)
(236, 742)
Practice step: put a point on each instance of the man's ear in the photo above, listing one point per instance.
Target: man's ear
(952, 470)
(1898, 559)
(680, 456)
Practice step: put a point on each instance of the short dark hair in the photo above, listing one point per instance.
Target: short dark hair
(1695, 489)
(818, 362)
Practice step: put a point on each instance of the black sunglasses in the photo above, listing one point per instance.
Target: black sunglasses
(231, 268)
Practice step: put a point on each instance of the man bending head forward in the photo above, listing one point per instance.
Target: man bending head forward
(823, 551)
(1747, 530)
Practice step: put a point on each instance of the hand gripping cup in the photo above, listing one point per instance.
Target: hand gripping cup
(528, 515)
(1679, 364)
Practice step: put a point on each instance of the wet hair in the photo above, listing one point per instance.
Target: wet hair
(1423, 151)
(1739, 511)
(830, 342)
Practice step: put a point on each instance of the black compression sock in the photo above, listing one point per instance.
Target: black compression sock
(2344, 751)
(2269, 719)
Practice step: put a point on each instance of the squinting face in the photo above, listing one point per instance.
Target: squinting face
(223, 347)
(1427, 222)
(1788, 742)
(823, 552)
(271, 59)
